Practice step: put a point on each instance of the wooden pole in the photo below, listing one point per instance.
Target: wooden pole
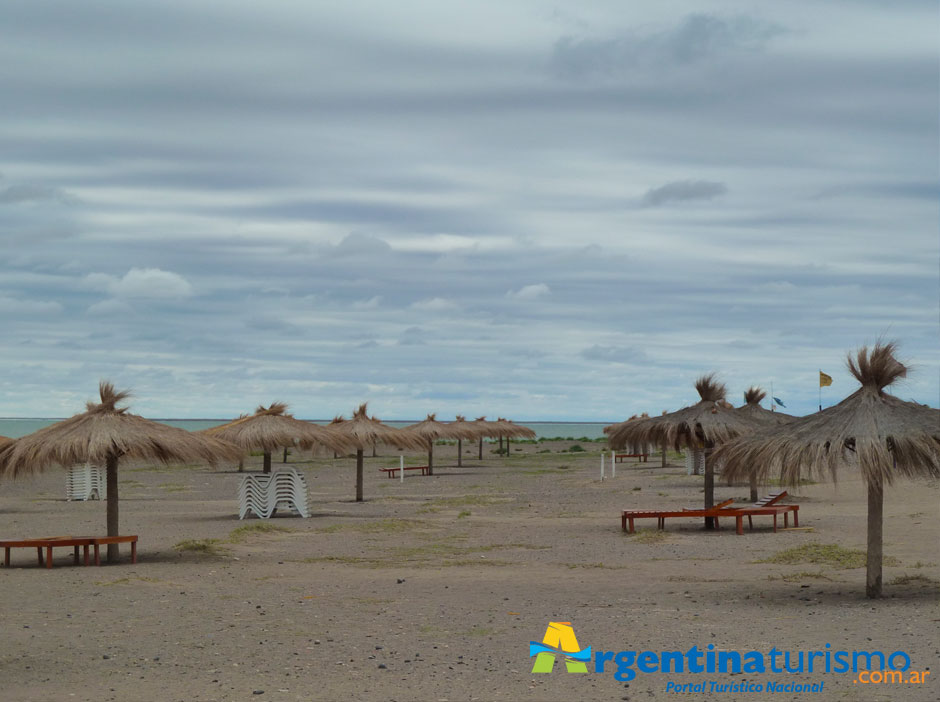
(267, 462)
(459, 453)
(709, 488)
(753, 485)
(285, 455)
(359, 475)
(430, 456)
(873, 561)
(111, 466)
(664, 454)
(241, 465)
(481, 448)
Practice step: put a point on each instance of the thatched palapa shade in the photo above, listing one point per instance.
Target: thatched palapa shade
(482, 429)
(468, 430)
(878, 434)
(430, 430)
(752, 408)
(363, 431)
(106, 434)
(272, 428)
(505, 429)
(702, 426)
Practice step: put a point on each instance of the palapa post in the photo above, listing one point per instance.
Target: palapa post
(106, 434)
(363, 430)
(877, 433)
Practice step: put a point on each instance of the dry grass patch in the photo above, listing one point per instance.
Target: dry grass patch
(917, 579)
(243, 533)
(648, 536)
(825, 554)
(206, 547)
(380, 526)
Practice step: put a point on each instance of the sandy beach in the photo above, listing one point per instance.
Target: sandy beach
(433, 588)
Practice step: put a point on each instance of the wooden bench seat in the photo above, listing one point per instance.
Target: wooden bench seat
(50, 542)
(643, 457)
(392, 472)
(720, 511)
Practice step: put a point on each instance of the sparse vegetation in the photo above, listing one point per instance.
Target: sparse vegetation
(208, 547)
(243, 533)
(648, 536)
(825, 554)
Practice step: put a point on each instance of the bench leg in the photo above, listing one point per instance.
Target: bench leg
(739, 524)
(796, 517)
(786, 520)
(133, 551)
(750, 523)
(85, 549)
(631, 524)
(75, 554)
(97, 556)
(48, 556)
(39, 555)
(775, 522)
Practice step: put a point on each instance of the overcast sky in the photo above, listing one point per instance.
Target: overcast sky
(544, 211)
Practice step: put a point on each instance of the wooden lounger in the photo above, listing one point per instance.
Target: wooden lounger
(50, 542)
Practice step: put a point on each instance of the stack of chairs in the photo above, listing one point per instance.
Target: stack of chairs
(85, 482)
(262, 495)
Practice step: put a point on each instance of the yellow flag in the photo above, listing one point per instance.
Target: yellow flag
(824, 379)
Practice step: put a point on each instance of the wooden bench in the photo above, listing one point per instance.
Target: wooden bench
(643, 457)
(719, 511)
(50, 542)
(392, 472)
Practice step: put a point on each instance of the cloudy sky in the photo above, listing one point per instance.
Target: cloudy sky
(544, 211)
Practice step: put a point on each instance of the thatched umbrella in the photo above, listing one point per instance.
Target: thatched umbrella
(272, 428)
(470, 431)
(702, 426)
(363, 431)
(876, 433)
(483, 429)
(505, 429)
(104, 434)
(751, 408)
(430, 430)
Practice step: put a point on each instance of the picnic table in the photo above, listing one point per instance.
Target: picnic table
(50, 542)
(643, 457)
(392, 472)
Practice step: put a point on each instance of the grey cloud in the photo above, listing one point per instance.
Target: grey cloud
(682, 191)
(614, 354)
(33, 193)
(697, 37)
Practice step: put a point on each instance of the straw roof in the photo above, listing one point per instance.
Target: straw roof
(510, 430)
(710, 421)
(431, 430)
(363, 430)
(105, 430)
(752, 408)
(272, 428)
(472, 430)
(881, 435)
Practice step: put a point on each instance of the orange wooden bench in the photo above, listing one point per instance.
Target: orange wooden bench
(392, 472)
(628, 515)
(50, 542)
(643, 457)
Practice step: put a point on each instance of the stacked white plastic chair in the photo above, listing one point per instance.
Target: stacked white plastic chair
(262, 495)
(85, 483)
